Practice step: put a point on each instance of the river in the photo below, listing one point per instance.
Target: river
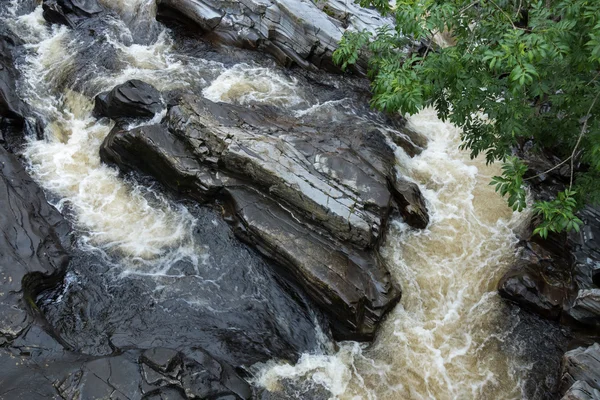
(451, 336)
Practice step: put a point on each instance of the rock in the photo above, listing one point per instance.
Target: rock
(581, 391)
(301, 32)
(354, 287)
(581, 364)
(11, 106)
(324, 189)
(132, 99)
(39, 367)
(70, 12)
(586, 307)
(194, 303)
(411, 201)
(538, 281)
(554, 277)
(32, 252)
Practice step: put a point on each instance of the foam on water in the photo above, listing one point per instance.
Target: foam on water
(442, 341)
(246, 84)
(113, 214)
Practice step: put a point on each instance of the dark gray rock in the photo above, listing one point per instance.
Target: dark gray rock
(581, 364)
(70, 12)
(581, 391)
(322, 196)
(11, 106)
(32, 253)
(132, 99)
(37, 366)
(352, 286)
(295, 32)
(538, 281)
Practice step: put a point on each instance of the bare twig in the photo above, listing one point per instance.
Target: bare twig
(549, 170)
(581, 134)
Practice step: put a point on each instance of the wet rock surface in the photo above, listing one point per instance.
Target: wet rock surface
(132, 99)
(295, 32)
(581, 365)
(70, 12)
(581, 391)
(32, 252)
(556, 277)
(227, 302)
(322, 197)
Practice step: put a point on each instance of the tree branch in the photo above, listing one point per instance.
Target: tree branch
(583, 129)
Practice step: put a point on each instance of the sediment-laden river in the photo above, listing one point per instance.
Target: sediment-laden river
(450, 337)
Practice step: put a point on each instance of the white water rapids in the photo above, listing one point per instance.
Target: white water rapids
(443, 341)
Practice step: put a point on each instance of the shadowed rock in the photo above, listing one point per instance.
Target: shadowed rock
(70, 12)
(32, 255)
(314, 199)
(11, 105)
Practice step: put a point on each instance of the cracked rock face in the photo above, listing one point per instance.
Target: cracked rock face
(295, 32)
(314, 199)
(31, 245)
(582, 364)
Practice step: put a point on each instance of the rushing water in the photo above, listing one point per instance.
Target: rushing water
(447, 337)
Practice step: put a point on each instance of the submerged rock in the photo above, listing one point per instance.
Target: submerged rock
(132, 99)
(314, 199)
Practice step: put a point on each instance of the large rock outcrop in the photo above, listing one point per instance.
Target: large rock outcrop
(32, 252)
(314, 199)
(557, 277)
(293, 31)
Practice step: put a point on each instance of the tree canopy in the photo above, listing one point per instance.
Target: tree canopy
(516, 70)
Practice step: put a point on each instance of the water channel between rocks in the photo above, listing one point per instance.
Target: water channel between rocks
(451, 336)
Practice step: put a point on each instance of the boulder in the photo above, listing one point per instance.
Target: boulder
(538, 281)
(581, 364)
(32, 246)
(353, 286)
(314, 199)
(70, 12)
(295, 32)
(132, 99)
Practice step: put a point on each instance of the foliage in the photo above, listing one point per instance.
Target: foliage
(519, 70)
(558, 214)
